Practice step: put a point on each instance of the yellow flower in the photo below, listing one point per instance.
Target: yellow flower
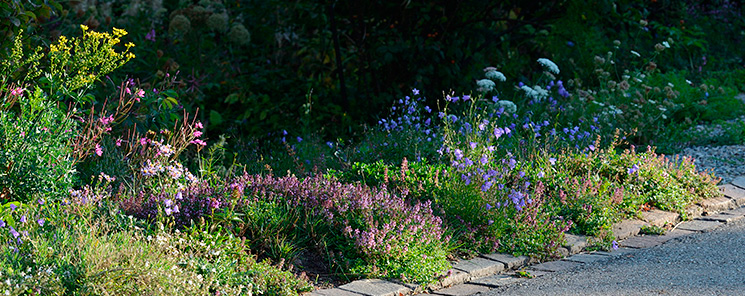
(119, 32)
(84, 27)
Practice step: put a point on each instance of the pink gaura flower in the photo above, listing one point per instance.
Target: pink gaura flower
(17, 91)
(197, 134)
(99, 150)
(199, 142)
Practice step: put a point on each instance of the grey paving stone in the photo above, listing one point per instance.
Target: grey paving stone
(694, 211)
(534, 273)
(562, 252)
(332, 292)
(575, 243)
(717, 204)
(698, 225)
(617, 252)
(675, 233)
(736, 212)
(739, 182)
(509, 261)
(660, 218)
(375, 287)
(497, 280)
(479, 267)
(627, 228)
(721, 217)
(735, 193)
(554, 266)
(455, 278)
(462, 290)
(586, 258)
(642, 241)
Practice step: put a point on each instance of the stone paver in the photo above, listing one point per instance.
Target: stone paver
(535, 272)
(332, 292)
(736, 212)
(618, 252)
(698, 225)
(586, 258)
(721, 217)
(497, 280)
(456, 277)
(735, 193)
(479, 267)
(739, 182)
(554, 266)
(509, 261)
(462, 290)
(694, 211)
(660, 218)
(643, 241)
(375, 287)
(575, 243)
(675, 233)
(717, 204)
(627, 228)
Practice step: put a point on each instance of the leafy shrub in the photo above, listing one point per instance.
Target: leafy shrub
(36, 146)
(84, 246)
(380, 232)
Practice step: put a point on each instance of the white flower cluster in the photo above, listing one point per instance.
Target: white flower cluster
(493, 74)
(549, 65)
(507, 106)
(485, 85)
(536, 92)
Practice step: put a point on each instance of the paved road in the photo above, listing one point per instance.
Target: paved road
(710, 263)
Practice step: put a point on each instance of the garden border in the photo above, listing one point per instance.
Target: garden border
(488, 271)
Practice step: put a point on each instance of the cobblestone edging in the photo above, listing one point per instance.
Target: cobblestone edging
(480, 274)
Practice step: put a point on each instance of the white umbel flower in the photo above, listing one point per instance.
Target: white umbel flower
(536, 92)
(494, 75)
(485, 85)
(550, 66)
(507, 106)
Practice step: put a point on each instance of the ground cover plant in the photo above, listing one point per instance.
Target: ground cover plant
(126, 168)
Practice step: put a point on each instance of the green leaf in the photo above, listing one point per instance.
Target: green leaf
(215, 117)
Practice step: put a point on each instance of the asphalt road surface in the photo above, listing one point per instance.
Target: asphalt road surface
(709, 263)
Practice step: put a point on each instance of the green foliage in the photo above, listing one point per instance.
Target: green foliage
(35, 146)
(84, 246)
(652, 229)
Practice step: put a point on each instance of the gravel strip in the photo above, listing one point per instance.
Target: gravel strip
(727, 162)
(707, 263)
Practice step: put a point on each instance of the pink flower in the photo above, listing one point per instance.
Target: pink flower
(140, 94)
(199, 142)
(197, 134)
(23, 134)
(199, 125)
(143, 141)
(99, 150)
(17, 91)
(118, 142)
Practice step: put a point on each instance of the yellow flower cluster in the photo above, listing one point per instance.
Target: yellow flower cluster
(11, 67)
(78, 63)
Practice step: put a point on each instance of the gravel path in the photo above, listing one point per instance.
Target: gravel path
(711, 263)
(726, 162)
